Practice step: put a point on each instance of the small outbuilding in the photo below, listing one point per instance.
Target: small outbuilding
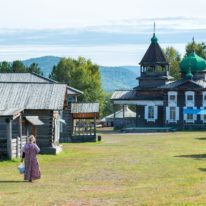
(123, 116)
(84, 117)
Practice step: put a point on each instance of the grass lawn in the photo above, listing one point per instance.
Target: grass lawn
(122, 170)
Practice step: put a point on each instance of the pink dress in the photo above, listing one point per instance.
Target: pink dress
(32, 171)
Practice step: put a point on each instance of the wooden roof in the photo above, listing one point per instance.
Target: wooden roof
(34, 120)
(36, 96)
(11, 112)
(33, 78)
(154, 56)
(85, 110)
(24, 77)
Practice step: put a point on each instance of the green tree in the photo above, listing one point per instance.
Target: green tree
(199, 48)
(82, 74)
(34, 67)
(18, 66)
(174, 59)
(107, 105)
(5, 67)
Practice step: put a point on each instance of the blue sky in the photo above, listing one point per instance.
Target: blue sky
(110, 32)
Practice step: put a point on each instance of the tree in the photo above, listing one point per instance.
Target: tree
(34, 67)
(82, 74)
(174, 59)
(108, 106)
(18, 66)
(5, 67)
(199, 48)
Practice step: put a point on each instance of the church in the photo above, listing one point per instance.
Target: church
(161, 101)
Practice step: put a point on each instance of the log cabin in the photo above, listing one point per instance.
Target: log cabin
(32, 104)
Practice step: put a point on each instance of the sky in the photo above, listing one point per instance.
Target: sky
(110, 32)
(26, 14)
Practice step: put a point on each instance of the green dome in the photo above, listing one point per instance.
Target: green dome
(189, 75)
(154, 39)
(193, 62)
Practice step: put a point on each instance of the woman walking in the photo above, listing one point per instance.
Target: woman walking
(30, 150)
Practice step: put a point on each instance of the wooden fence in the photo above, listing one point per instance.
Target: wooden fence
(16, 146)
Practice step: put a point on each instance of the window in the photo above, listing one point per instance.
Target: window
(172, 97)
(70, 99)
(204, 116)
(150, 112)
(190, 116)
(173, 113)
(189, 97)
(204, 98)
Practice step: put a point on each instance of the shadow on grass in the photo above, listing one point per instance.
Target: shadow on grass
(202, 138)
(202, 169)
(11, 181)
(7, 160)
(193, 156)
(107, 130)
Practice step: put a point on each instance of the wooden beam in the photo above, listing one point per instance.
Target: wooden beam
(123, 115)
(139, 102)
(95, 125)
(114, 115)
(20, 136)
(9, 137)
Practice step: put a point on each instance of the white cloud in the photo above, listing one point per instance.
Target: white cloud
(78, 13)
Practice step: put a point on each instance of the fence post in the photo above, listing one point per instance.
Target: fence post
(9, 137)
(17, 147)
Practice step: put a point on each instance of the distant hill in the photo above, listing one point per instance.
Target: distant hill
(46, 63)
(121, 77)
(112, 78)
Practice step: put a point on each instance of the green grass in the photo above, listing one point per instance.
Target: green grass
(122, 170)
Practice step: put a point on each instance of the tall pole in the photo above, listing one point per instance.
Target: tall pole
(114, 120)
(9, 137)
(95, 126)
(20, 135)
(123, 115)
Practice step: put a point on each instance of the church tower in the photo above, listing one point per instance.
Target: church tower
(154, 66)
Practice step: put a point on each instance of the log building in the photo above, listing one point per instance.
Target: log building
(31, 104)
(161, 101)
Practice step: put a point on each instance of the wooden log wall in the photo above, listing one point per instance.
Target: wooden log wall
(45, 132)
(66, 135)
(3, 135)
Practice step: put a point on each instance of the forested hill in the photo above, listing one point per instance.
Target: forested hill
(122, 77)
(112, 78)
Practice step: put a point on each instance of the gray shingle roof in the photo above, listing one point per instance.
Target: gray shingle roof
(33, 78)
(84, 108)
(125, 94)
(23, 77)
(41, 96)
(174, 84)
(119, 114)
(135, 95)
(34, 120)
(10, 112)
(73, 91)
